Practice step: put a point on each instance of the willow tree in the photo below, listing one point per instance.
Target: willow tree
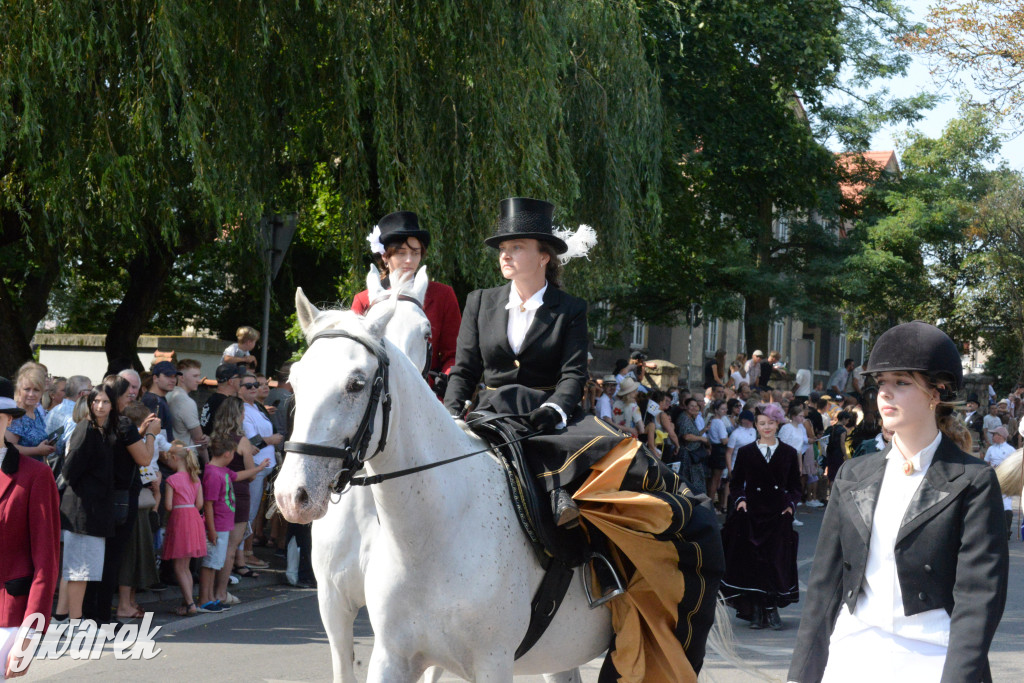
(445, 108)
(137, 130)
(129, 130)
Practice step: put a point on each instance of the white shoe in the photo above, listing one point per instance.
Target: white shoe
(814, 504)
(799, 504)
(797, 522)
(232, 600)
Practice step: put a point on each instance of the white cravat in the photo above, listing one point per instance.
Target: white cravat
(520, 317)
(521, 314)
(767, 450)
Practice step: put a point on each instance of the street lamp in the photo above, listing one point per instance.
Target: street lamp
(277, 232)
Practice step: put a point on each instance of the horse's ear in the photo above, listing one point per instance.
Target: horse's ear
(373, 286)
(306, 311)
(419, 286)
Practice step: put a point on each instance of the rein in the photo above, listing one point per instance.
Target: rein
(378, 478)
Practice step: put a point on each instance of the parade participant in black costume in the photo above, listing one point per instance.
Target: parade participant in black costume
(527, 343)
(910, 573)
(760, 544)
(527, 340)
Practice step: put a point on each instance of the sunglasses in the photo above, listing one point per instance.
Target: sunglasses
(251, 385)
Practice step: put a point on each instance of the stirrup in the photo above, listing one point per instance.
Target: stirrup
(588, 577)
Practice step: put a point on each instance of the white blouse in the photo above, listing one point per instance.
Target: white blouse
(880, 605)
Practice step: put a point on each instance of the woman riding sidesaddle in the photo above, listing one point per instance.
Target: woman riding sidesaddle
(526, 342)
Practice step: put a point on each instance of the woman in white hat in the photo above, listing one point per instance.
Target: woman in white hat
(625, 411)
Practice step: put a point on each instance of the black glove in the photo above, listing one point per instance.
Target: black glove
(440, 383)
(456, 413)
(544, 419)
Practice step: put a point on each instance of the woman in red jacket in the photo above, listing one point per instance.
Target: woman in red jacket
(30, 542)
(401, 244)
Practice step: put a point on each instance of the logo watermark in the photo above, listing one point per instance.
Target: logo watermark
(82, 640)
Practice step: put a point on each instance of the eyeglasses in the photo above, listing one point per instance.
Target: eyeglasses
(251, 385)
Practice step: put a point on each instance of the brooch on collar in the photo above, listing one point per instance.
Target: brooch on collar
(908, 467)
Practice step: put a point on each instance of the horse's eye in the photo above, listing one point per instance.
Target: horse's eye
(355, 384)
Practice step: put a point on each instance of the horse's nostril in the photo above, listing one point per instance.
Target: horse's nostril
(302, 497)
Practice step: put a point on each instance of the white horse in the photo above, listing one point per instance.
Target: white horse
(344, 536)
(450, 577)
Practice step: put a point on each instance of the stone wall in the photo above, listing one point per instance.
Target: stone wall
(83, 354)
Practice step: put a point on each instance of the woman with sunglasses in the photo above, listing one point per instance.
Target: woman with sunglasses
(260, 432)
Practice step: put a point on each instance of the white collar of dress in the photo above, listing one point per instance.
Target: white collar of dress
(531, 304)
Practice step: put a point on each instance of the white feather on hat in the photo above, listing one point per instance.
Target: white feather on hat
(579, 242)
(374, 239)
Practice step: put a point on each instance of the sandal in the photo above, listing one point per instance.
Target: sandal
(256, 563)
(137, 614)
(246, 573)
(188, 610)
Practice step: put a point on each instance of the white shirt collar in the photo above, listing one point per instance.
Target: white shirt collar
(922, 459)
(531, 304)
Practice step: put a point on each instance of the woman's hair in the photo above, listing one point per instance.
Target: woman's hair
(656, 395)
(689, 400)
(733, 403)
(844, 416)
(51, 388)
(720, 362)
(716, 404)
(119, 385)
(81, 410)
(957, 431)
(741, 358)
(391, 248)
(32, 376)
(553, 272)
(188, 456)
(227, 421)
(795, 409)
(772, 411)
(109, 430)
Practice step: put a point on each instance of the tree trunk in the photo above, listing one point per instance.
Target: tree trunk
(147, 274)
(759, 302)
(15, 346)
(23, 308)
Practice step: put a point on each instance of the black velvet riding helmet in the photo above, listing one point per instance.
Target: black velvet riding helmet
(919, 347)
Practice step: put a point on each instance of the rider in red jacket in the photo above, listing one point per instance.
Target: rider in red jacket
(401, 244)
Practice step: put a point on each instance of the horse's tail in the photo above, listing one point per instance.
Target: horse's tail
(722, 640)
(1010, 473)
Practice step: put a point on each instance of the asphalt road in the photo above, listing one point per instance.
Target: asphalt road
(276, 635)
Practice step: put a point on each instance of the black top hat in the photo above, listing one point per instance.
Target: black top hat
(525, 218)
(972, 398)
(400, 226)
(7, 404)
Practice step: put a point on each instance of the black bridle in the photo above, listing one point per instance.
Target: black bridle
(354, 452)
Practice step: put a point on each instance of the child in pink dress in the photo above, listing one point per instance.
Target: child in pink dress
(186, 535)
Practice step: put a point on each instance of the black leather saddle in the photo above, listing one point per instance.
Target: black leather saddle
(530, 496)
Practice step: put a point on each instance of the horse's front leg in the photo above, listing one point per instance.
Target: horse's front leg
(386, 667)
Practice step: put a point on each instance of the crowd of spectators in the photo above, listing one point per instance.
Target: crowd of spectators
(162, 479)
(699, 433)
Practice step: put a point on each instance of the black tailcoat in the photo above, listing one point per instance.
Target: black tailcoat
(950, 553)
(553, 357)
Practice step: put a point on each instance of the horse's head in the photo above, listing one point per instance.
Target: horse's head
(336, 382)
(408, 328)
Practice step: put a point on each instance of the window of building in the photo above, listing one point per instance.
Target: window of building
(777, 336)
(711, 335)
(782, 228)
(843, 345)
(639, 339)
(601, 311)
